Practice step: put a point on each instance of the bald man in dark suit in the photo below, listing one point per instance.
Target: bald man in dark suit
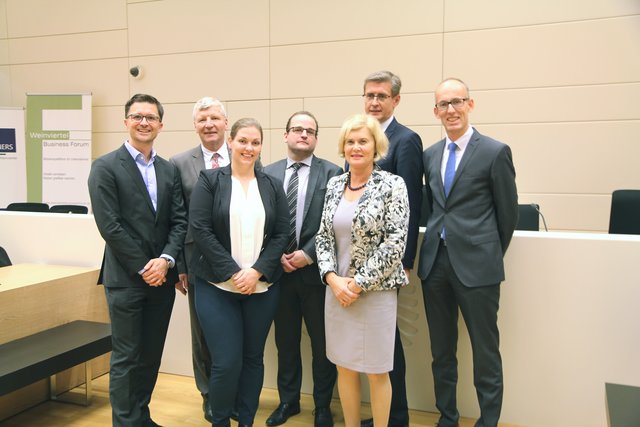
(473, 200)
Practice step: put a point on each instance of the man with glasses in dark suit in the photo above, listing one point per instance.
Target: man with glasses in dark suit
(381, 97)
(302, 292)
(138, 208)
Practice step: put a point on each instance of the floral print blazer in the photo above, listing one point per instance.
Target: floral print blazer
(378, 232)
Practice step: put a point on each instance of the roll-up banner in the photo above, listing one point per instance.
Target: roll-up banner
(12, 156)
(58, 150)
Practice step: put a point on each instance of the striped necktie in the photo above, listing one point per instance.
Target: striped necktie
(292, 200)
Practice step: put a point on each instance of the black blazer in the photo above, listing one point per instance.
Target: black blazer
(321, 171)
(479, 215)
(210, 225)
(405, 159)
(133, 232)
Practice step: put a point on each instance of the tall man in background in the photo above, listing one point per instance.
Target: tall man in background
(138, 208)
(302, 292)
(472, 193)
(210, 123)
(381, 97)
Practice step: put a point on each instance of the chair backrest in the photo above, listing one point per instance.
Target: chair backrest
(625, 212)
(28, 207)
(528, 218)
(74, 209)
(4, 258)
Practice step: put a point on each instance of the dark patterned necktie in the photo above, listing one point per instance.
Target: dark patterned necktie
(292, 200)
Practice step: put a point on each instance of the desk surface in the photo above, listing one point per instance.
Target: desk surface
(20, 275)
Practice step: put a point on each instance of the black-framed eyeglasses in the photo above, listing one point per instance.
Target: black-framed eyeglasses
(299, 129)
(381, 97)
(138, 118)
(456, 103)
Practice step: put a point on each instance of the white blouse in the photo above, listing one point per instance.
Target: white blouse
(246, 217)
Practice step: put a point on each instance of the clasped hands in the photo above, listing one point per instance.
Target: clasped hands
(344, 289)
(154, 272)
(246, 280)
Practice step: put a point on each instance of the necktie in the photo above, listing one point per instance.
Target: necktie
(449, 173)
(292, 200)
(214, 161)
(450, 169)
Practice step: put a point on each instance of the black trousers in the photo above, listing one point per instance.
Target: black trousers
(139, 322)
(443, 295)
(298, 301)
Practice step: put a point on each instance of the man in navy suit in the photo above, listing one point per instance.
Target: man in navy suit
(472, 193)
(381, 97)
(137, 204)
(210, 123)
(301, 289)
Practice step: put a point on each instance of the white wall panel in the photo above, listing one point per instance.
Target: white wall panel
(70, 47)
(28, 18)
(331, 20)
(338, 69)
(241, 74)
(472, 14)
(578, 53)
(172, 26)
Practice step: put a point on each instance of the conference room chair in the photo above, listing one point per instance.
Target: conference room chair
(4, 258)
(625, 212)
(528, 219)
(28, 207)
(72, 209)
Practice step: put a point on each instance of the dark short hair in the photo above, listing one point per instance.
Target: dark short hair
(143, 97)
(302, 113)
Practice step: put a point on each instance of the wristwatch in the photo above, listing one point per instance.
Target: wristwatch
(166, 258)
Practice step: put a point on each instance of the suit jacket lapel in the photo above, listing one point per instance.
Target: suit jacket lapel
(132, 170)
(162, 179)
(436, 166)
(197, 161)
(311, 185)
(468, 153)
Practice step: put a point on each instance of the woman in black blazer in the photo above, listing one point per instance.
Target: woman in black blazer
(239, 220)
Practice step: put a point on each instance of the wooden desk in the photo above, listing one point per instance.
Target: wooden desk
(35, 297)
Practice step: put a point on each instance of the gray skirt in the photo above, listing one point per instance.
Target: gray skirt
(361, 337)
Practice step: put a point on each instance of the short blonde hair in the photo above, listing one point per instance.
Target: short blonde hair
(359, 121)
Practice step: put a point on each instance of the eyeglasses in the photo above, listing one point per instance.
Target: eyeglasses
(138, 118)
(381, 97)
(298, 131)
(456, 103)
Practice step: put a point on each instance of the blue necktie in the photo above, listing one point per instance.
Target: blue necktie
(450, 169)
(449, 173)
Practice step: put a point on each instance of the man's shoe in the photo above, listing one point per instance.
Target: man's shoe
(322, 417)
(206, 408)
(366, 423)
(282, 413)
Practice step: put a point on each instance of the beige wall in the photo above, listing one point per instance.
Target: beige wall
(555, 79)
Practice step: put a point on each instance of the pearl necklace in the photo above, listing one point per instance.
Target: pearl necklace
(360, 187)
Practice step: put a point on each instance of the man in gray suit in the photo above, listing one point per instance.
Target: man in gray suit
(301, 289)
(472, 193)
(138, 208)
(210, 123)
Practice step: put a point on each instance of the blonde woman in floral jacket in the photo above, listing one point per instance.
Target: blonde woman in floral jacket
(360, 245)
